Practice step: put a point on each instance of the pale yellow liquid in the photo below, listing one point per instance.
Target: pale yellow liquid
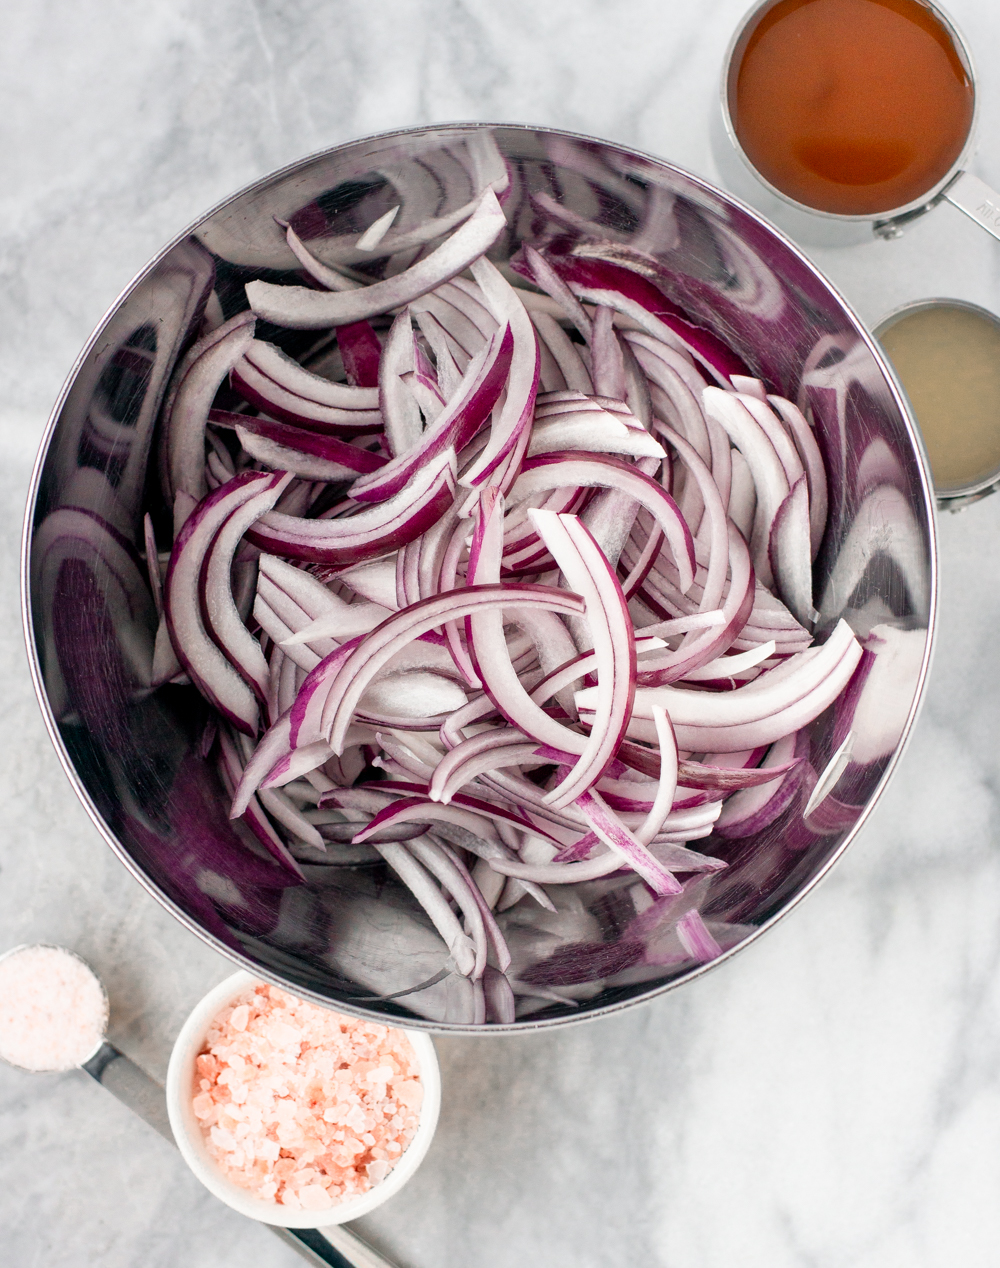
(948, 359)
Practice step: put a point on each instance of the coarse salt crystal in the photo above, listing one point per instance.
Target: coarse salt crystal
(314, 1197)
(279, 1081)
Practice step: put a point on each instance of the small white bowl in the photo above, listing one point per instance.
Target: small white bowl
(190, 1141)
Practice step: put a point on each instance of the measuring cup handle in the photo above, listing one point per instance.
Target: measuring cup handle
(130, 1085)
(973, 196)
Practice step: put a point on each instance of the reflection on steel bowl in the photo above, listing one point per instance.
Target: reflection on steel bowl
(156, 768)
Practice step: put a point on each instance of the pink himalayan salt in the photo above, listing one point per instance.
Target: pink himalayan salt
(301, 1105)
(53, 1010)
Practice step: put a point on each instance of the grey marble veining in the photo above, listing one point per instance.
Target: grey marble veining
(829, 1099)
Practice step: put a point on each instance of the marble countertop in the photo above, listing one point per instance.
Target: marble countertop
(831, 1097)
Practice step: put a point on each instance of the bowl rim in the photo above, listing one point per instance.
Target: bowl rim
(187, 1132)
(528, 1024)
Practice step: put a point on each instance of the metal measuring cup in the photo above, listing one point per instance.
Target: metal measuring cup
(950, 497)
(825, 228)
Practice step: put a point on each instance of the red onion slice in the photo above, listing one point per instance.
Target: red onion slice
(560, 470)
(196, 381)
(610, 829)
(297, 308)
(566, 726)
(204, 662)
(271, 361)
(370, 533)
(275, 399)
(789, 553)
(454, 427)
(219, 612)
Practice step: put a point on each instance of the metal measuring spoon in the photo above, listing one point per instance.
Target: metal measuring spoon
(334, 1247)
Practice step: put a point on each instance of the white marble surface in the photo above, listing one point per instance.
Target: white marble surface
(829, 1099)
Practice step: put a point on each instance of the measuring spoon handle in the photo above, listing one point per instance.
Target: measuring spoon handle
(132, 1086)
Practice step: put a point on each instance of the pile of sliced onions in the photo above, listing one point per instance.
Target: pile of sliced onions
(516, 595)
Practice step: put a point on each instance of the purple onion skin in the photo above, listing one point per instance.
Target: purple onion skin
(426, 517)
(321, 444)
(602, 275)
(202, 840)
(295, 419)
(156, 855)
(359, 346)
(98, 683)
(585, 962)
(782, 797)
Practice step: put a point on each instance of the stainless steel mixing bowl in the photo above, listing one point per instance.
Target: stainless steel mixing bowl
(351, 936)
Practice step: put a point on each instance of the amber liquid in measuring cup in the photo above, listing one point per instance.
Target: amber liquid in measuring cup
(851, 106)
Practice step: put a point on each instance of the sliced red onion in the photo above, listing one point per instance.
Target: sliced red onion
(562, 350)
(763, 697)
(369, 533)
(589, 432)
(421, 885)
(789, 553)
(195, 383)
(488, 645)
(559, 470)
(752, 809)
(447, 353)
(480, 753)
(634, 296)
(396, 641)
(768, 474)
(375, 582)
(220, 614)
(463, 317)
(330, 278)
(511, 426)
(742, 495)
(454, 427)
(588, 571)
(204, 662)
(549, 280)
(274, 399)
(610, 829)
(666, 786)
(772, 428)
(286, 458)
(323, 445)
(296, 379)
(812, 461)
(301, 309)
(402, 627)
(254, 816)
(762, 730)
(361, 352)
(717, 536)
